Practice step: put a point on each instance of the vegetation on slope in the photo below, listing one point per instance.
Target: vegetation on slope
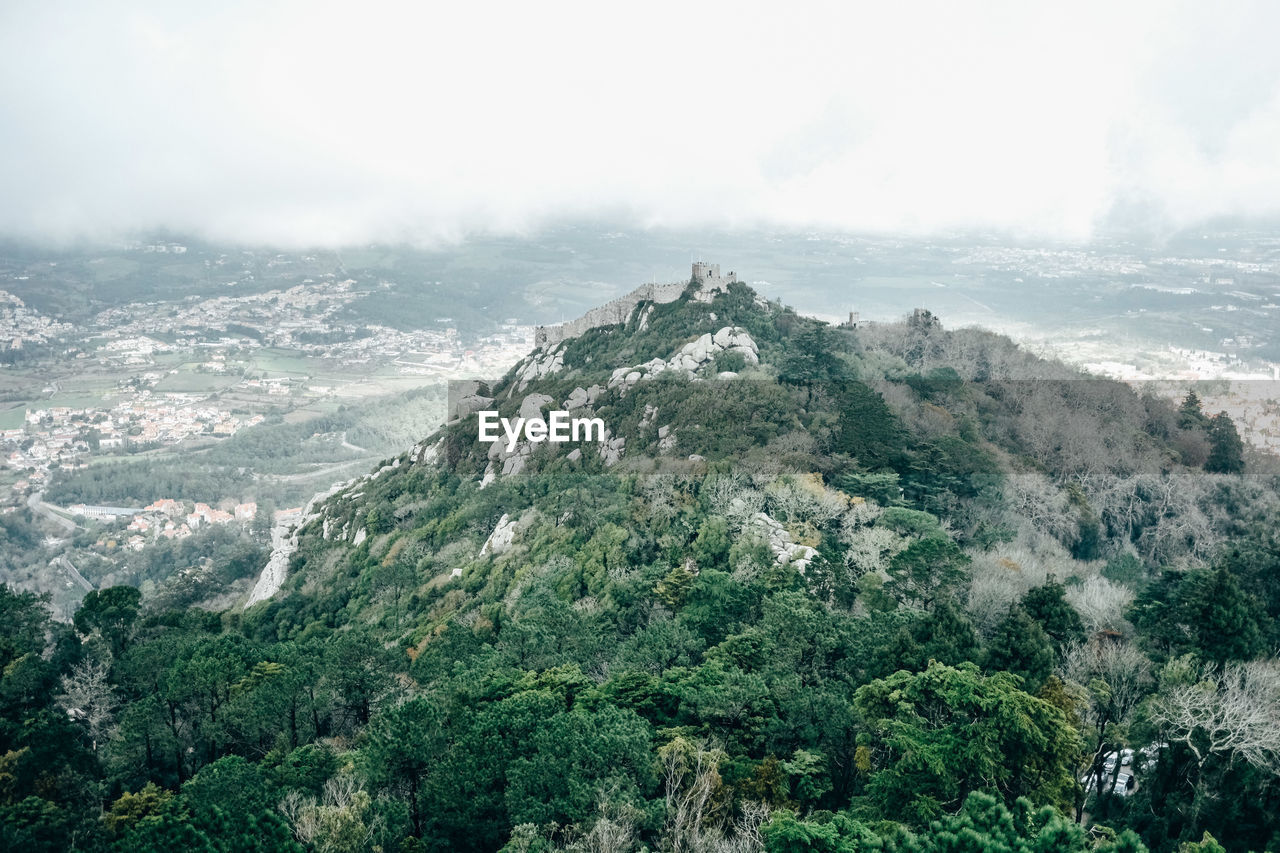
(1013, 572)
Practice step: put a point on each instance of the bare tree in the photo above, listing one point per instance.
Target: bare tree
(614, 830)
(746, 836)
(799, 498)
(340, 821)
(88, 698)
(692, 780)
(1034, 497)
(1100, 603)
(1110, 678)
(1232, 712)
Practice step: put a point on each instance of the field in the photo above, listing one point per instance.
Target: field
(276, 362)
(13, 418)
(187, 380)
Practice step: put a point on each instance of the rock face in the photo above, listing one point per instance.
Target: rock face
(501, 538)
(692, 357)
(611, 449)
(467, 405)
(531, 406)
(581, 397)
(503, 462)
(785, 551)
(284, 541)
(539, 365)
(425, 454)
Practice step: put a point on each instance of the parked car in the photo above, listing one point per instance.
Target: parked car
(1124, 784)
(1149, 756)
(1125, 757)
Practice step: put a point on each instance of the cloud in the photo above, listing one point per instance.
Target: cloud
(305, 123)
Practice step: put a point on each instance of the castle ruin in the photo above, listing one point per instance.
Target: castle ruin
(706, 276)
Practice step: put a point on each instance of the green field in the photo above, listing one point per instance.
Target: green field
(273, 361)
(72, 400)
(13, 418)
(189, 381)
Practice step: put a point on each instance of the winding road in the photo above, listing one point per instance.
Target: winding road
(35, 501)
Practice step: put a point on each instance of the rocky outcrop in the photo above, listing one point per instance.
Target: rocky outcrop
(582, 397)
(611, 449)
(539, 365)
(531, 406)
(284, 541)
(785, 551)
(691, 358)
(504, 533)
(504, 462)
(424, 453)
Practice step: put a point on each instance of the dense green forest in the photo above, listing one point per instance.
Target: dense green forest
(892, 589)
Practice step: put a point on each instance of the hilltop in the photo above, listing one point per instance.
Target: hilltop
(904, 488)
(817, 587)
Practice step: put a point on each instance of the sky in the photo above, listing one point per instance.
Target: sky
(312, 123)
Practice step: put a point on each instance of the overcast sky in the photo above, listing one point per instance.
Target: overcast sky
(309, 123)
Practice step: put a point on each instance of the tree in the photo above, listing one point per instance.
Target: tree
(1111, 678)
(89, 698)
(341, 821)
(1226, 450)
(946, 634)
(24, 617)
(1223, 620)
(404, 745)
(1190, 414)
(1232, 713)
(692, 783)
(111, 612)
(1047, 604)
(810, 360)
(927, 568)
(939, 735)
(571, 757)
(1022, 647)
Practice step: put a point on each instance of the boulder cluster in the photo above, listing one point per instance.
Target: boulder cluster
(785, 551)
(691, 358)
(539, 366)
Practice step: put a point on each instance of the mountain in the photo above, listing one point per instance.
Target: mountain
(803, 587)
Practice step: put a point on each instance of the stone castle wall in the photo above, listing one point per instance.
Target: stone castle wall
(709, 280)
(611, 313)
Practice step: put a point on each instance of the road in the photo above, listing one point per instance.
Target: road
(349, 446)
(37, 505)
(323, 471)
(61, 560)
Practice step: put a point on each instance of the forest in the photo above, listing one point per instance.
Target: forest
(896, 588)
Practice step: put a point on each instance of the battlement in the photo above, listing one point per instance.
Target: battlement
(619, 311)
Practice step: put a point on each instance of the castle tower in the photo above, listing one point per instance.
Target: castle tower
(703, 271)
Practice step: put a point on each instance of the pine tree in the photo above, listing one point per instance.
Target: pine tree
(1190, 415)
(1047, 604)
(1226, 450)
(1221, 616)
(947, 635)
(1021, 646)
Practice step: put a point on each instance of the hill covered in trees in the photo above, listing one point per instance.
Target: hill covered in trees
(894, 588)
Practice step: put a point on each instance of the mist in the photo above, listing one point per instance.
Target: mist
(321, 124)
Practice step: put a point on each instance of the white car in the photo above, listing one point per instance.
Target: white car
(1124, 784)
(1149, 756)
(1125, 757)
